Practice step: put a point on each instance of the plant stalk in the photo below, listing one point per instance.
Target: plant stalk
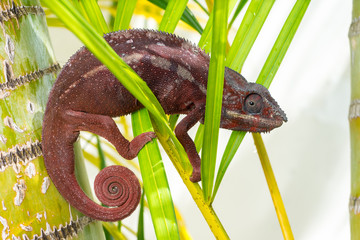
(354, 122)
(273, 188)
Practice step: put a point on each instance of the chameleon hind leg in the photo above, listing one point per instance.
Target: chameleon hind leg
(105, 126)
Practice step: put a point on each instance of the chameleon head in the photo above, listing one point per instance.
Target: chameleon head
(248, 106)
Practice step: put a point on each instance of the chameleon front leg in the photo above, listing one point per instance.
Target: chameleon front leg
(105, 126)
(181, 133)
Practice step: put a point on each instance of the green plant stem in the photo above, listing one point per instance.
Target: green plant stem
(273, 188)
(354, 122)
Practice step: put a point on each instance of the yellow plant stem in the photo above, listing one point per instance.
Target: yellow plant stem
(273, 188)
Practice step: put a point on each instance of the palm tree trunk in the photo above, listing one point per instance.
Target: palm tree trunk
(30, 204)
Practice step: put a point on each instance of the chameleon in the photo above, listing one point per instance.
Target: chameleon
(86, 96)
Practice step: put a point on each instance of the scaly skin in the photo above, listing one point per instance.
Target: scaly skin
(86, 96)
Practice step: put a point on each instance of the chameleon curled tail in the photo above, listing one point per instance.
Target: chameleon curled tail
(115, 186)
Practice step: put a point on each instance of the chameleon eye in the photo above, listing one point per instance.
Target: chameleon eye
(253, 103)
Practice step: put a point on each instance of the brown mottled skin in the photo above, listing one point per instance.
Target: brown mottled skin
(86, 96)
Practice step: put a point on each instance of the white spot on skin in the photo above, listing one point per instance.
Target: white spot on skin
(127, 34)
(160, 44)
(20, 189)
(184, 73)
(26, 228)
(3, 206)
(10, 48)
(45, 185)
(3, 139)
(186, 45)
(160, 62)
(133, 58)
(156, 35)
(167, 90)
(30, 170)
(8, 121)
(129, 41)
(6, 229)
(30, 107)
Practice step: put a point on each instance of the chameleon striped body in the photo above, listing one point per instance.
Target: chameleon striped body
(86, 96)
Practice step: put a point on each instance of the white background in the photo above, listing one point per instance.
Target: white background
(309, 154)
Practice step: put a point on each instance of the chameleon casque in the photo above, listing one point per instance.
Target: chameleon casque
(86, 96)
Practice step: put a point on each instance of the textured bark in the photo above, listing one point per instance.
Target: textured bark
(30, 204)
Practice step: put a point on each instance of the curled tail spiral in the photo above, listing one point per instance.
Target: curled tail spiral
(115, 186)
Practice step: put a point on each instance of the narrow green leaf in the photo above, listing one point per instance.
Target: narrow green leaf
(173, 13)
(199, 137)
(124, 12)
(80, 7)
(101, 153)
(205, 40)
(172, 120)
(205, 43)
(237, 12)
(95, 16)
(202, 7)
(232, 146)
(140, 232)
(155, 182)
(113, 230)
(247, 33)
(187, 17)
(282, 43)
(214, 96)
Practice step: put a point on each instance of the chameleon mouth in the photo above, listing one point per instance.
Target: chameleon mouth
(255, 123)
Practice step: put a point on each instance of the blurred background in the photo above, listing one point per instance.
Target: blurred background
(309, 154)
